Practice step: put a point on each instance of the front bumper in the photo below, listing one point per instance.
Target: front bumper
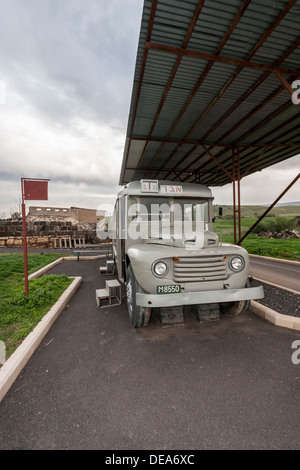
(194, 298)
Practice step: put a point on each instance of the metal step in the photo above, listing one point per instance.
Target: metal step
(110, 295)
(102, 297)
(108, 269)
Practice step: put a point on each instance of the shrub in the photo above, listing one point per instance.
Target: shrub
(275, 224)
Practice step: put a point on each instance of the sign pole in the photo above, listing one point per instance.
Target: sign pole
(32, 189)
(24, 239)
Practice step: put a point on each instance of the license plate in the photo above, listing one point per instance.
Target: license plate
(168, 289)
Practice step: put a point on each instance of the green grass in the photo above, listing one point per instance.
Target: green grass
(19, 314)
(263, 246)
(257, 211)
(274, 248)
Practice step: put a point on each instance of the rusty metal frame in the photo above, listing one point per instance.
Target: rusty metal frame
(200, 81)
(239, 165)
(225, 60)
(252, 112)
(171, 78)
(214, 57)
(265, 146)
(149, 32)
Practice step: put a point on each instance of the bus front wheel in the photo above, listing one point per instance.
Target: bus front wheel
(138, 316)
(232, 309)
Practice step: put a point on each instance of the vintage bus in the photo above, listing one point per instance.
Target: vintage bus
(171, 261)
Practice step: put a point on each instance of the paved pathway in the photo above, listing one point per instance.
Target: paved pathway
(96, 383)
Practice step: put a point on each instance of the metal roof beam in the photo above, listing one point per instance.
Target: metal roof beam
(255, 128)
(286, 84)
(217, 162)
(254, 111)
(249, 92)
(254, 163)
(253, 166)
(264, 162)
(218, 58)
(208, 67)
(171, 78)
(148, 37)
(211, 144)
(244, 164)
(220, 144)
(262, 123)
(280, 127)
(255, 155)
(279, 18)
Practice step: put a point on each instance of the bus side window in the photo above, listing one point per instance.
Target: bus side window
(133, 209)
(122, 217)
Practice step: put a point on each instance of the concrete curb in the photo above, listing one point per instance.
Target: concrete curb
(49, 266)
(45, 268)
(278, 319)
(13, 366)
(276, 285)
(74, 258)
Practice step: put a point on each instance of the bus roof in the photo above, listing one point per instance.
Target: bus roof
(165, 188)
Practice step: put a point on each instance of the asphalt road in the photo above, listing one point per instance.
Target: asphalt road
(97, 383)
(283, 274)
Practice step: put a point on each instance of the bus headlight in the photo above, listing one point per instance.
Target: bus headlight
(159, 268)
(236, 263)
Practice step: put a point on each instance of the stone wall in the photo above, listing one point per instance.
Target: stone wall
(33, 241)
(44, 233)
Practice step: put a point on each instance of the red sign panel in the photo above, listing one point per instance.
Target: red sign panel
(35, 190)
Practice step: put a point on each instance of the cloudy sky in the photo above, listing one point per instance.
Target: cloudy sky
(66, 73)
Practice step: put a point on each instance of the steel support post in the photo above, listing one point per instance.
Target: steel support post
(269, 208)
(239, 194)
(236, 193)
(233, 194)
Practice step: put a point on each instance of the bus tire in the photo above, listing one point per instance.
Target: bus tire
(138, 316)
(232, 309)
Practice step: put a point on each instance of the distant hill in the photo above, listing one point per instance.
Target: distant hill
(282, 210)
(297, 203)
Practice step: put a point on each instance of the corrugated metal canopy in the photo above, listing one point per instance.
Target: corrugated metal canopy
(212, 91)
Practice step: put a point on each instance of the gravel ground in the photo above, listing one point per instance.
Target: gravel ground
(280, 300)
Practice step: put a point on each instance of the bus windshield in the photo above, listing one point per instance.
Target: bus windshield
(168, 209)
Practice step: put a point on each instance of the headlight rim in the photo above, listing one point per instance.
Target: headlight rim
(242, 265)
(153, 268)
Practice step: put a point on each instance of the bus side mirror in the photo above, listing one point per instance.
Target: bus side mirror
(220, 211)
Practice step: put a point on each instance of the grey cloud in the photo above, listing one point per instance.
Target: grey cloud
(70, 57)
(68, 68)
